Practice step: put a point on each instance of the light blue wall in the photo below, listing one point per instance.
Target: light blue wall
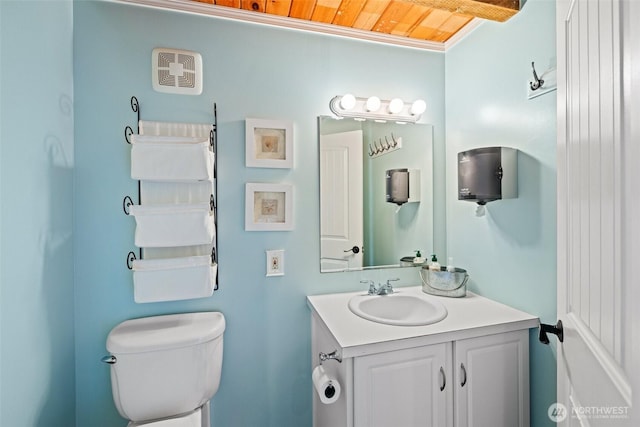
(250, 71)
(511, 252)
(36, 169)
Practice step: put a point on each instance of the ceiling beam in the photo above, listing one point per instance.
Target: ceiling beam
(494, 10)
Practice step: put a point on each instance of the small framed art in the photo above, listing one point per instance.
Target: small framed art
(268, 207)
(269, 143)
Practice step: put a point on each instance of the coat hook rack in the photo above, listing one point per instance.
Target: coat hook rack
(385, 146)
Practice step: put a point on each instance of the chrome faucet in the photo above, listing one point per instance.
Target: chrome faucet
(372, 287)
(385, 289)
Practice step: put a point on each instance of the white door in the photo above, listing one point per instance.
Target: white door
(594, 361)
(341, 201)
(491, 380)
(404, 388)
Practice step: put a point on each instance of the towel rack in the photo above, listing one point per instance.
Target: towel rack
(128, 201)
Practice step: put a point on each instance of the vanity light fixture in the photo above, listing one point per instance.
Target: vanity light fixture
(373, 103)
(377, 109)
(418, 107)
(348, 101)
(395, 105)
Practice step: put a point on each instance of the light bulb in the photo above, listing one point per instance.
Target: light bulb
(348, 101)
(418, 107)
(373, 103)
(395, 105)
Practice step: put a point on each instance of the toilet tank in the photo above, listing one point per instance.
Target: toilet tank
(165, 365)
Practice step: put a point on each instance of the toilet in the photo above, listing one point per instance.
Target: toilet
(165, 369)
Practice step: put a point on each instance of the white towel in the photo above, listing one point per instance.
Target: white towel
(175, 129)
(155, 192)
(173, 225)
(173, 279)
(171, 158)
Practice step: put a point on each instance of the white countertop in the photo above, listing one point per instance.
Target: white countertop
(467, 317)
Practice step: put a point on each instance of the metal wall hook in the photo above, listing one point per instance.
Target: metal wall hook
(378, 149)
(395, 142)
(371, 152)
(537, 82)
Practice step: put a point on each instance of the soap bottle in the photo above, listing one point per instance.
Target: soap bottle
(434, 265)
(418, 258)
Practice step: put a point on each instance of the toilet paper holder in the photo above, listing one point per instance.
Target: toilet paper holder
(329, 356)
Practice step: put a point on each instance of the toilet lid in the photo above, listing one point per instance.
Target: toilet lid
(192, 419)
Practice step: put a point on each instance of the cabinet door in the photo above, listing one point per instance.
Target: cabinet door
(492, 381)
(404, 388)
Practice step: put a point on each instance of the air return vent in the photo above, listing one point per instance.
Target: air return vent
(176, 71)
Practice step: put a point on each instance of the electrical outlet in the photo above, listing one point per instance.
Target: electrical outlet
(275, 262)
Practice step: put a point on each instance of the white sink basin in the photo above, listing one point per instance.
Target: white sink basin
(398, 309)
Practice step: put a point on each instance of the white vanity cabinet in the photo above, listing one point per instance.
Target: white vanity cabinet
(403, 388)
(491, 380)
(415, 386)
(469, 370)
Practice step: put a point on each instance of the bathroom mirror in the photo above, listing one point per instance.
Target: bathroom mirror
(359, 228)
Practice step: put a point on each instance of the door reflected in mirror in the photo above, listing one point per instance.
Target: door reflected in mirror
(362, 165)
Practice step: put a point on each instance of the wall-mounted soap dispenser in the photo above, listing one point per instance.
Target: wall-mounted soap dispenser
(487, 174)
(403, 185)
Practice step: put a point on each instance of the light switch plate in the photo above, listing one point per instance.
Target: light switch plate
(275, 262)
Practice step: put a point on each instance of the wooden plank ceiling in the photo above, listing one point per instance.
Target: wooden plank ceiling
(430, 20)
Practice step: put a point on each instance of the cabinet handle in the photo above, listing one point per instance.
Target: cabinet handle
(444, 379)
(464, 375)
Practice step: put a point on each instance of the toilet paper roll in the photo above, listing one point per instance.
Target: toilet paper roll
(328, 388)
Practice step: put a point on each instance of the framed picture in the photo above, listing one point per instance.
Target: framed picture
(268, 207)
(269, 143)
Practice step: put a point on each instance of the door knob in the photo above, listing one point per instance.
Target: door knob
(354, 249)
